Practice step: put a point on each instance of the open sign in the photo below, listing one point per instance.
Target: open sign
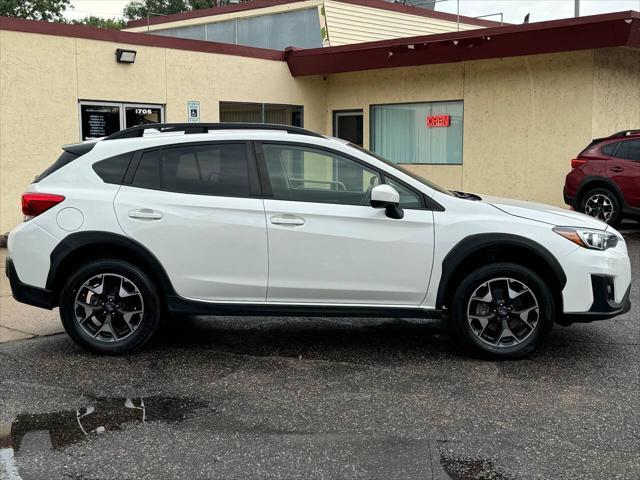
(438, 121)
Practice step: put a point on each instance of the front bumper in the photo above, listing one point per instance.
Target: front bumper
(603, 307)
(38, 297)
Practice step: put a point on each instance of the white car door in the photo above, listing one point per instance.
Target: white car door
(196, 207)
(328, 245)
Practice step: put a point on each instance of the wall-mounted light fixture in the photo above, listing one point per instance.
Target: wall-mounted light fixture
(125, 56)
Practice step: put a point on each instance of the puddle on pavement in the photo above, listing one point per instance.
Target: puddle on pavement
(43, 431)
(471, 469)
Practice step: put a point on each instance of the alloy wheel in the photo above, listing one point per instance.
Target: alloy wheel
(109, 307)
(503, 312)
(599, 206)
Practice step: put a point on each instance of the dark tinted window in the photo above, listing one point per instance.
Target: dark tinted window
(609, 149)
(629, 150)
(62, 160)
(112, 169)
(220, 169)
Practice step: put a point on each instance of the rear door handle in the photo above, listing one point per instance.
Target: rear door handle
(145, 214)
(617, 169)
(287, 219)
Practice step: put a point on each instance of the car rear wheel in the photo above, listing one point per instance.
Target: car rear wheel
(602, 204)
(110, 307)
(502, 310)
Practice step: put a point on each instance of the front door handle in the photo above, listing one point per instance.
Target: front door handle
(287, 219)
(145, 214)
(617, 169)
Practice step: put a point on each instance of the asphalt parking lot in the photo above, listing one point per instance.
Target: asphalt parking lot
(243, 398)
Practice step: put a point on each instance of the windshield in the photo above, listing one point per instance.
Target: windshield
(420, 179)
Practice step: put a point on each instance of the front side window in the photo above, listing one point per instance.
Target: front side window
(221, 169)
(408, 198)
(312, 175)
(629, 150)
(429, 132)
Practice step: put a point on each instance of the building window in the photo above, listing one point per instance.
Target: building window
(101, 119)
(429, 132)
(261, 113)
(300, 28)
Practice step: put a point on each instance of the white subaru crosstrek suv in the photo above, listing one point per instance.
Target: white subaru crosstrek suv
(257, 219)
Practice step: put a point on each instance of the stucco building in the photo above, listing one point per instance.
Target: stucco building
(470, 104)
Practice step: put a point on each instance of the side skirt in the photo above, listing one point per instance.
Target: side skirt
(181, 306)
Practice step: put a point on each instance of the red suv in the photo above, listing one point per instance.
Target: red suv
(605, 178)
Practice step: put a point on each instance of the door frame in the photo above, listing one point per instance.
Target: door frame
(336, 114)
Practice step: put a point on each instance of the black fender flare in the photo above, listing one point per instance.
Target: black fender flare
(586, 181)
(75, 241)
(475, 243)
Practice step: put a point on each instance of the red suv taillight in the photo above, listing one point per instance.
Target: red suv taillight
(577, 162)
(33, 204)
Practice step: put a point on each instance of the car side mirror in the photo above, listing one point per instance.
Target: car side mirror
(387, 197)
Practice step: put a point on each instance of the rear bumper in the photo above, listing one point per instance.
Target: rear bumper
(568, 199)
(603, 307)
(38, 297)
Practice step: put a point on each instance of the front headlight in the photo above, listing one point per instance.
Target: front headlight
(588, 238)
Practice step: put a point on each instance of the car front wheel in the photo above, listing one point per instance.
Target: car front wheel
(110, 307)
(502, 310)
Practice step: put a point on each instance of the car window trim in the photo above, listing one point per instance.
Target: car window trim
(255, 190)
(266, 185)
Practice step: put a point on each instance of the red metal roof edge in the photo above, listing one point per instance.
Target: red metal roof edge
(257, 4)
(117, 36)
(597, 31)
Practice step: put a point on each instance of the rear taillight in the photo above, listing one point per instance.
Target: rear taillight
(577, 162)
(33, 204)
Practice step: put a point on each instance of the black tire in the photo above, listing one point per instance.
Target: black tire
(616, 217)
(542, 322)
(146, 295)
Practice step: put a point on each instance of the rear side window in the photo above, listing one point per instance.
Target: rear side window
(112, 169)
(609, 149)
(215, 169)
(629, 150)
(64, 159)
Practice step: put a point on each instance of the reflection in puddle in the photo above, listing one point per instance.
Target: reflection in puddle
(471, 469)
(42, 431)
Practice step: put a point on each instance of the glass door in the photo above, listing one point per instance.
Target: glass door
(101, 119)
(347, 125)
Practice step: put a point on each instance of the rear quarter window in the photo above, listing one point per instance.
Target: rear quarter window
(609, 149)
(112, 170)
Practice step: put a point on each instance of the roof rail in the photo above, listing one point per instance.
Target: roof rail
(188, 128)
(625, 133)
